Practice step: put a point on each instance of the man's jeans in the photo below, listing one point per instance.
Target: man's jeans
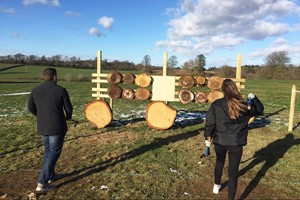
(52, 148)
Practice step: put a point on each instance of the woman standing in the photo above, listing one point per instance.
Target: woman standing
(227, 126)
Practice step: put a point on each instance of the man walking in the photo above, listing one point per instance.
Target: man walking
(51, 104)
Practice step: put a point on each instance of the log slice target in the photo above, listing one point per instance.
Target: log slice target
(186, 81)
(186, 96)
(114, 91)
(98, 113)
(159, 115)
(114, 77)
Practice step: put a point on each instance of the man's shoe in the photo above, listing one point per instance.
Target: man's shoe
(55, 178)
(216, 188)
(44, 188)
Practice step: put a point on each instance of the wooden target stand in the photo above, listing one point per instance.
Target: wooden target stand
(165, 89)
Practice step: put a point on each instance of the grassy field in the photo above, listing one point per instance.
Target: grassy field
(129, 160)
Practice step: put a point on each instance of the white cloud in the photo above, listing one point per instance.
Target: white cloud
(279, 44)
(72, 14)
(106, 22)
(7, 10)
(279, 41)
(203, 26)
(94, 31)
(54, 3)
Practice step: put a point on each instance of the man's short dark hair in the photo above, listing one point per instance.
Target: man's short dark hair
(49, 74)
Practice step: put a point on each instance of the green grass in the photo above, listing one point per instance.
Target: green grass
(137, 162)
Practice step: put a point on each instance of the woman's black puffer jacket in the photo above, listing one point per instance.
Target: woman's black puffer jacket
(226, 131)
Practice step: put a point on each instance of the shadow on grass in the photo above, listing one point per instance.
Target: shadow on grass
(96, 168)
(14, 82)
(10, 67)
(274, 113)
(123, 122)
(269, 156)
(296, 126)
(263, 121)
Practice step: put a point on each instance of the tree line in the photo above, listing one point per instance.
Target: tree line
(77, 62)
(277, 65)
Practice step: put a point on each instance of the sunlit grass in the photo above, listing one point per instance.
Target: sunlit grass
(137, 162)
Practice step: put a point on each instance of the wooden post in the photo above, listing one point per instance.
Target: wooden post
(165, 64)
(99, 58)
(292, 109)
(239, 70)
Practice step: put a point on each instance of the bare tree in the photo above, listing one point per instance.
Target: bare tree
(20, 58)
(32, 59)
(56, 60)
(278, 59)
(172, 62)
(189, 65)
(200, 64)
(146, 62)
(195, 66)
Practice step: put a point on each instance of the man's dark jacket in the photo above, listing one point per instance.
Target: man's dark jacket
(51, 104)
(226, 131)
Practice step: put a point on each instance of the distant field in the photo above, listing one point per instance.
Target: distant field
(137, 162)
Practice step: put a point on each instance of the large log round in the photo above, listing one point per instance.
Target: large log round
(186, 81)
(127, 93)
(128, 78)
(159, 115)
(143, 80)
(114, 77)
(186, 96)
(200, 97)
(142, 93)
(215, 83)
(214, 95)
(200, 80)
(98, 113)
(114, 91)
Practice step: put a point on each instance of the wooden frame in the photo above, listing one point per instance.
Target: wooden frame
(167, 94)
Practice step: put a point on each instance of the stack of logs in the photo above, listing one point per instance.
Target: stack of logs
(159, 115)
(142, 81)
(187, 82)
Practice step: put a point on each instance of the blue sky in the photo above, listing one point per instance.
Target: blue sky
(131, 29)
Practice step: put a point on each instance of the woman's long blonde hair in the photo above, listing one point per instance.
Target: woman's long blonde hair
(234, 98)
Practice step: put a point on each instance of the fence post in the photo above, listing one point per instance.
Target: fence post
(99, 58)
(165, 63)
(239, 71)
(292, 109)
